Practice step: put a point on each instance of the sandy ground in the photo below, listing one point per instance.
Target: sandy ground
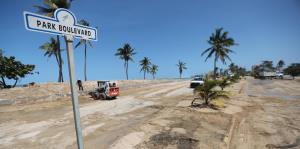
(156, 115)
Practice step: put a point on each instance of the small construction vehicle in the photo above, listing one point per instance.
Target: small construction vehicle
(105, 90)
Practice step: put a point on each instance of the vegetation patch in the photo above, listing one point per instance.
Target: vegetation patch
(207, 92)
(220, 103)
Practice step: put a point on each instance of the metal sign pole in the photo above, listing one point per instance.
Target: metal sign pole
(64, 23)
(69, 45)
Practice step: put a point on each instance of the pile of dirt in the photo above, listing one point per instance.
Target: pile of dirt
(37, 93)
(58, 91)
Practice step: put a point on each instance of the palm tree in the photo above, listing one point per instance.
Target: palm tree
(224, 83)
(153, 70)
(125, 54)
(2, 83)
(267, 65)
(293, 70)
(221, 72)
(51, 5)
(220, 45)
(280, 65)
(50, 49)
(234, 69)
(181, 66)
(84, 42)
(217, 69)
(207, 92)
(48, 9)
(145, 64)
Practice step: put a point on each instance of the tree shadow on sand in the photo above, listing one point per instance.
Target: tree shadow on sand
(203, 105)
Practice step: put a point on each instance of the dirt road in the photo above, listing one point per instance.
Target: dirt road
(158, 116)
(270, 116)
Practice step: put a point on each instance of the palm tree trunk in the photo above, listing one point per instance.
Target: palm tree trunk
(144, 75)
(206, 101)
(60, 74)
(127, 70)
(85, 75)
(58, 63)
(3, 81)
(215, 61)
(15, 83)
(192, 103)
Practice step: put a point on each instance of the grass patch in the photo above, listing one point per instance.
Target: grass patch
(220, 103)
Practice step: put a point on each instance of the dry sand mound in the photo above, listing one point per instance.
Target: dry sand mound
(59, 91)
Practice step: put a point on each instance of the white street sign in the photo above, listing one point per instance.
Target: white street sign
(63, 23)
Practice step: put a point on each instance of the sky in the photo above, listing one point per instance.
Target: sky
(165, 31)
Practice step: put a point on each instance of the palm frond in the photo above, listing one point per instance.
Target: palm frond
(90, 44)
(79, 43)
(205, 51)
(51, 5)
(46, 11)
(50, 48)
(84, 22)
(226, 56)
(210, 54)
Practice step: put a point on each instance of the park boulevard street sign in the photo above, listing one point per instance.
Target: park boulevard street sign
(63, 23)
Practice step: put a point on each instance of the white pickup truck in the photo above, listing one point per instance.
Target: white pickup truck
(267, 75)
(196, 82)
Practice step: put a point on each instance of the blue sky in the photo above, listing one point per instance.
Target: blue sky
(165, 31)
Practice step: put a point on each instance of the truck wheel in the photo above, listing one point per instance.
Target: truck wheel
(103, 96)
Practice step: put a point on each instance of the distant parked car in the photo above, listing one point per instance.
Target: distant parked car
(279, 75)
(196, 82)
